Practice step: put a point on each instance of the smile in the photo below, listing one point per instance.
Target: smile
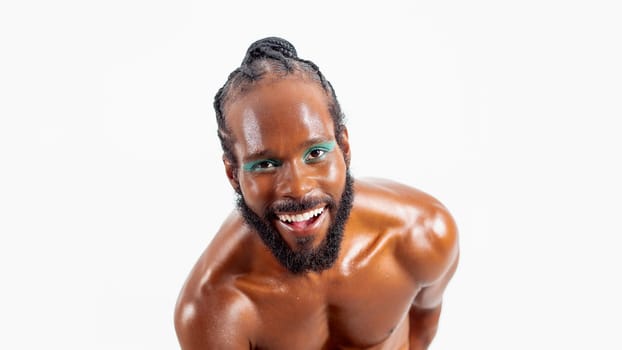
(302, 224)
(300, 217)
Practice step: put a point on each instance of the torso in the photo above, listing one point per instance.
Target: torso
(362, 305)
(362, 302)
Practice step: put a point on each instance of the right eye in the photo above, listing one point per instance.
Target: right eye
(263, 165)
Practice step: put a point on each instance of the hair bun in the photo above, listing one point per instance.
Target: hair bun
(269, 47)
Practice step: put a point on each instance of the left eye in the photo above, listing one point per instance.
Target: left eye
(315, 154)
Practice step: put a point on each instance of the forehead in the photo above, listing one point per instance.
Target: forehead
(277, 115)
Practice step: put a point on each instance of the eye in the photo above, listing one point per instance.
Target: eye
(263, 165)
(318, 152)
(315, 154)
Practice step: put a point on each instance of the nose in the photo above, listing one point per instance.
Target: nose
(295, 182)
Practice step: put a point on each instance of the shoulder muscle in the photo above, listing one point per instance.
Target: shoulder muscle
(222, 318)
(430, 242)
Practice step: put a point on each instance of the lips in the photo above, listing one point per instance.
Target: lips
(302, 223)
(297, 218)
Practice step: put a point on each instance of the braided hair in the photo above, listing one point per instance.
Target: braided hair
(269, 56)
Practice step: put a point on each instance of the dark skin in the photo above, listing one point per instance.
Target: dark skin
(398, 253)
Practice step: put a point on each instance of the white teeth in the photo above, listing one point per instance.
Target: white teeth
(301, 217)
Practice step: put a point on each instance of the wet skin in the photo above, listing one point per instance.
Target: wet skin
(398, 252)
(286, 152)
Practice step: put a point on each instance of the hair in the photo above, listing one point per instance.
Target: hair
(274, 57)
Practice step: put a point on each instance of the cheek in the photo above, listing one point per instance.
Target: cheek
(256, 191)
(335, 174)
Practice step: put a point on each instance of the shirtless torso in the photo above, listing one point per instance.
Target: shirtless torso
(312, 259)
(393, 268)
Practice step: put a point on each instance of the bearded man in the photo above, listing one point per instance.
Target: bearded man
(311, 258)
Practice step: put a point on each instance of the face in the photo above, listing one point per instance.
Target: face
(294, 187)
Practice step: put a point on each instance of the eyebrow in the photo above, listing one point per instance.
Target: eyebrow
(268, 155)
(265, 154)
(315, 142)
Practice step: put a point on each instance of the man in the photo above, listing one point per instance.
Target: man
(312, 259)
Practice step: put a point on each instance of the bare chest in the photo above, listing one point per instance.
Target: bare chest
(365, 308)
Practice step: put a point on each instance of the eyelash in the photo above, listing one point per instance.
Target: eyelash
(270, 164)
(324, 151)
(256, 166)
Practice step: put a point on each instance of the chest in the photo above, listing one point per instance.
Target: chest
(362, 308)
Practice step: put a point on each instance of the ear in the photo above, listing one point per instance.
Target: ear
(232, 173)
(344, 143)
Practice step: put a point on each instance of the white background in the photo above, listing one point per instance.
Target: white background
(111, 182)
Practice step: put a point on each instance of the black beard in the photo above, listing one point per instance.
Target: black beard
(305, 259)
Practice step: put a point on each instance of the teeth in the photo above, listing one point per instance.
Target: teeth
(301, 217)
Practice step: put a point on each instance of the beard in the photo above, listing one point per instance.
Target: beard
(305, 258)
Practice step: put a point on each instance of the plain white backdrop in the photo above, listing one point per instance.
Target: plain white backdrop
(111, 182)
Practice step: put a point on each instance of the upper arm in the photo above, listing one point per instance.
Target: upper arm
(221, 320)
(431, 251)
(431, 295)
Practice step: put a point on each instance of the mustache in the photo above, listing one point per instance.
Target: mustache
(290, 205)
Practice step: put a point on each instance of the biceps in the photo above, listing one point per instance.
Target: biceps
(431, 296)
(219, 338)
(198, 328)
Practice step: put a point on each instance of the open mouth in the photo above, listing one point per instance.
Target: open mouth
(301, 221)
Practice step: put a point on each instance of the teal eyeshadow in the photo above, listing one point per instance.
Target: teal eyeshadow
(324, 146)
(250, 166)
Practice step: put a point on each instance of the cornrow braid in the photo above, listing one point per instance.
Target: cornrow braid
(278, 57)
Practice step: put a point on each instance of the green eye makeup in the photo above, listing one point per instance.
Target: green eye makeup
(313, 154)
(318, 152)
(261, 165)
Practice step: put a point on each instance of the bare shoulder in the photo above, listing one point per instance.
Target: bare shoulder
(427, 233)
(211, 313)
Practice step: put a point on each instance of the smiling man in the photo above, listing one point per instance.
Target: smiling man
(312, 258)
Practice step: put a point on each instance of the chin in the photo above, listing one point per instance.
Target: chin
(305, 252)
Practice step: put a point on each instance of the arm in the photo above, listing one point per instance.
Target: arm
(423, 325)
(426, 311)
(432, 251)
(221, 320)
